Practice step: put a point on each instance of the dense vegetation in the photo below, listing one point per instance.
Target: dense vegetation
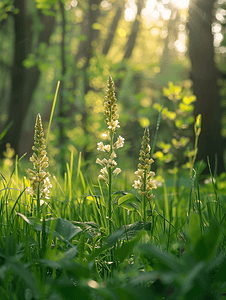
(103, 239)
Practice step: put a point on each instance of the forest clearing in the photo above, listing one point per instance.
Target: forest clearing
(112, 149)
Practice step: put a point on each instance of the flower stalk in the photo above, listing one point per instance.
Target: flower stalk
(39, 178)
(197, 129)
(145, 183)
(109, 170)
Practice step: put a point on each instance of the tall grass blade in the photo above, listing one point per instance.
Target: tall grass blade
(52, 111)
(156, 132)
(17, 200)
(3, 133)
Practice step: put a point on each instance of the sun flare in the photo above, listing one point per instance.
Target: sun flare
(181, 4)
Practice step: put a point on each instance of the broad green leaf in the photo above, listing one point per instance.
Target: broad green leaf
(128, 247)
(206, 246)
(130, 202)
(160, 260)
(26, 276)
(112, 239)
(194, 230)
(191, 278)
(64, 230)
(71, 253)
(124, 232)
(131, 206)
(127, 198)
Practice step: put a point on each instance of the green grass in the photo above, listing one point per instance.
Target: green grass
(68, 252)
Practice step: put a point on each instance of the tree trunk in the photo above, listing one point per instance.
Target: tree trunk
(132, 38)
(130, 42)
(85, 52)
(24, 81)
(61, 114)
(112, 31)
(168, 54)
(205, 75)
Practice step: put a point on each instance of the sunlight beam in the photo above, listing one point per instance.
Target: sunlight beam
(180, 4)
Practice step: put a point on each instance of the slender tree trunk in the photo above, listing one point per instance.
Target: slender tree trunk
(168, 55)
(24, 81)
(61, 115)
(85, 52)
(205, 75)
(112, 31)
(135, 28)
(131, 40)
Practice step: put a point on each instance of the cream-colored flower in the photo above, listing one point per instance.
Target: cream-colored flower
(119, 143)
(107, 148)
(117, 171)
(113, 155)
(104, 171)
(137, 184)
(98, 161)
(100, 146)
(113, 124)
(106, 135)
(101, 177)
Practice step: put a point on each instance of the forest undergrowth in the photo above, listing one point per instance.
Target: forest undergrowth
(101, 237)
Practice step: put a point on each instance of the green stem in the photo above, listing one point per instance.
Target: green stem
(38, 202)
(144, 198)
(109, 201)
(110, 183)
(38, 217)
(196, 149)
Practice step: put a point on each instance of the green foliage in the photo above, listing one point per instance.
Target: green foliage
(7, 7)
(68, 249)
(177, 114)
(46, 6)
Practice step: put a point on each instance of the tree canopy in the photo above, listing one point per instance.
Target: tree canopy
(144, 45)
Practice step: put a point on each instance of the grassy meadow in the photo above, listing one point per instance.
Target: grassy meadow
(111, 233)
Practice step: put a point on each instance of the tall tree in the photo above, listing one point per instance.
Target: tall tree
(131, 42)
(204, 75)
(61, 114)
(24, 80)
(112, 30)
(85, 53)
(134, 31)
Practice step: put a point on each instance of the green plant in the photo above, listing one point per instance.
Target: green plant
(178, 115)
(40, 182)
(109, 171)
(76, 247)
(145, 183)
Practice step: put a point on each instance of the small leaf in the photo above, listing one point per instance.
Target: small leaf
(130, 202)
(127, 198)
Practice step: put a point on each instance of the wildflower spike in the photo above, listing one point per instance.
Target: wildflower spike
(110, 111)
(145, 183)
(39, 177)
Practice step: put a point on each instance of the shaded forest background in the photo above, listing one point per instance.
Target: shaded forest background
(143, 44)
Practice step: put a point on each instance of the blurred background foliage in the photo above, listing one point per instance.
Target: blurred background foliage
(144, 45)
